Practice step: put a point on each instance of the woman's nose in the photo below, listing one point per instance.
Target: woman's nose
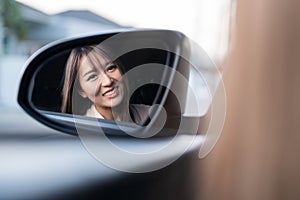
(106, 80)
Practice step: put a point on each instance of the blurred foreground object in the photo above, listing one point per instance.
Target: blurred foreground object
(257, 156)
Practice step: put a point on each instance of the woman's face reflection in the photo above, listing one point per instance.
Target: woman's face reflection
(101, 84)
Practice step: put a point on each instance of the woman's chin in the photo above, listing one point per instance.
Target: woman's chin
(111, 103)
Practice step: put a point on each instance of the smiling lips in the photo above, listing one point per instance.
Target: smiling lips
(111, 93)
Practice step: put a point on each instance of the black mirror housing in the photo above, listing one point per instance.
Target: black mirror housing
(163, 50)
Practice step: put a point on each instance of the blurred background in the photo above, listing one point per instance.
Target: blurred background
(27, 25)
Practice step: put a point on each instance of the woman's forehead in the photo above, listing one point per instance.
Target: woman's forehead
(95, 61)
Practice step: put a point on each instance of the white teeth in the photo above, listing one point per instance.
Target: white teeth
(110, 92)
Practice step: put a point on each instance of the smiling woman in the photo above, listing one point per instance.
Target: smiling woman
(94, 87)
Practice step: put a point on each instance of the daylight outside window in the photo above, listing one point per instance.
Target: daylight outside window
(27, 25)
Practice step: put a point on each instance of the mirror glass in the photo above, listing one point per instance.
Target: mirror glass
(88, 81)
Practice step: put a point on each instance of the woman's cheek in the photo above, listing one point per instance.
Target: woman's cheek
(93, 88)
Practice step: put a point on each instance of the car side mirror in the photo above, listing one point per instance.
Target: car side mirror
(126, 82)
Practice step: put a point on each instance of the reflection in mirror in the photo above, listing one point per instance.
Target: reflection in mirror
(86, 81)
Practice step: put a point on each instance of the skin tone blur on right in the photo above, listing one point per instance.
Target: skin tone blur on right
(257, 155)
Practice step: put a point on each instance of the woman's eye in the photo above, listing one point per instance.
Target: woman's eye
(92, 77)
(111, 68)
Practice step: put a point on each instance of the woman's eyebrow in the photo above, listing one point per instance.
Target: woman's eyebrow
(108, 64)
(91, 71)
